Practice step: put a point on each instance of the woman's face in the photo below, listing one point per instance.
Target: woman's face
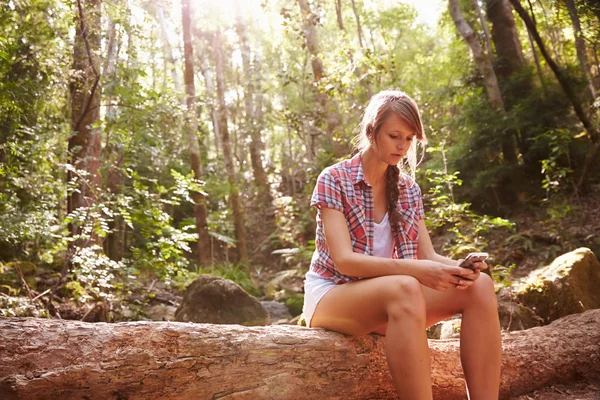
(393, 140)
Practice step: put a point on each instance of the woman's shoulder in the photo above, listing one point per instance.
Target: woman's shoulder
(409, 183)
(341, 170)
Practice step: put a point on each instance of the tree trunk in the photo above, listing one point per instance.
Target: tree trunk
(534, 52)
(238, 218)
(85, 143)
(42, 358)
(592, 133)
(254, 122)
(326, 107)
(486, 32)
(358, 27)
(168, 51)
(506, 38)
(481, 59)
(113, 153)
(509, 64)
(484, 66)
(211, 94)
(191, 127)
(338, 12)
(580, 46)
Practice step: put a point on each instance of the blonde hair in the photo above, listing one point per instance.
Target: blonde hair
(379, 108)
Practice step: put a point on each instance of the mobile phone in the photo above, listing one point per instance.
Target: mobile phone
(472, 258)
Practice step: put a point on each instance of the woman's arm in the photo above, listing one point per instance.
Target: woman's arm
(431, 273)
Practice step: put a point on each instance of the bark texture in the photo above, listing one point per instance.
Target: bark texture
(506, 38)
(41, 358)
(482, 61)
(191, 127)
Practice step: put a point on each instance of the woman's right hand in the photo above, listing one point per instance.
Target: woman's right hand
(442, 277)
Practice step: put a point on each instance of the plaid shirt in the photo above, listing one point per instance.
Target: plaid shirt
(343, 187)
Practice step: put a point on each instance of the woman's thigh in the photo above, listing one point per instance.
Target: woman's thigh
(442, 305)
(361, 307)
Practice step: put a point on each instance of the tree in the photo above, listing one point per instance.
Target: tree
(236, 207)
(191, 126)
(592, 132)
(85, 143)
(483, 64)
(580, 46)
(326, 105)
(253, 125)
(41, 358)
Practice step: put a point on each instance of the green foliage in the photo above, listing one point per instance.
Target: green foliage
(295, 304)
(555, 168)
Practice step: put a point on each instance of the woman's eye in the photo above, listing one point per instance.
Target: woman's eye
(410, 138)
(394, 137)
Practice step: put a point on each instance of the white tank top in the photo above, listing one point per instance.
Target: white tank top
(383, 243)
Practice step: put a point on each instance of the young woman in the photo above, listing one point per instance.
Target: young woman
(375, 270)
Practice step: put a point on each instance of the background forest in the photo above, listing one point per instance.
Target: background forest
(152, 140)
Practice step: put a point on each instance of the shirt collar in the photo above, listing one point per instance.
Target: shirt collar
(357, 174)
(356, 170)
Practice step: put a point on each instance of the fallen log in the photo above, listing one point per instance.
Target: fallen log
(48, 358)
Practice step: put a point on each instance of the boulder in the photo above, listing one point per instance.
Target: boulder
(515, 316)
(285, 284)
(276, 310)
(569, 285)
(214, 300)
(450, 329)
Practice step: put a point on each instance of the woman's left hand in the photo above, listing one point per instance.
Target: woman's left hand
(470, 278)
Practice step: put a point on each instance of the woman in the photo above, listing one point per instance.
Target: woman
(375, 269)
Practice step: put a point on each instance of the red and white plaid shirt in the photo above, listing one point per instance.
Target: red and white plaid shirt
(343, 187)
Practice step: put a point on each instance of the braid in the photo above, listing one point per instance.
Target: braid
(392, 175)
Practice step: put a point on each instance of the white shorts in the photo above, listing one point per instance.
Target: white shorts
(315, 287)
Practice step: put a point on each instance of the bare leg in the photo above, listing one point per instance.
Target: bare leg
(480, 339)
(361, 307)
(480, 343)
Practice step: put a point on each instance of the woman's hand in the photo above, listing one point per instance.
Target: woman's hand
(473, 276)
(442, 277)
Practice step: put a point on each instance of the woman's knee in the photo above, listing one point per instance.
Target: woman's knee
(483, 292)
(405, 298)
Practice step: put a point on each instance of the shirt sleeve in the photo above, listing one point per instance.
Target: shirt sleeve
(327, 193)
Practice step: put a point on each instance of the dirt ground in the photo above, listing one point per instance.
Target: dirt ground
(572, 391)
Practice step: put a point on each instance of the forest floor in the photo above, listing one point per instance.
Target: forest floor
(571, 391)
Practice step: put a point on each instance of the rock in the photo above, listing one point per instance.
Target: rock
(210, 299)
(434, 331)
(161, 312)
(285, 284)
(569, 285)
(276, 310)
(515, 316)
(450, 329)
